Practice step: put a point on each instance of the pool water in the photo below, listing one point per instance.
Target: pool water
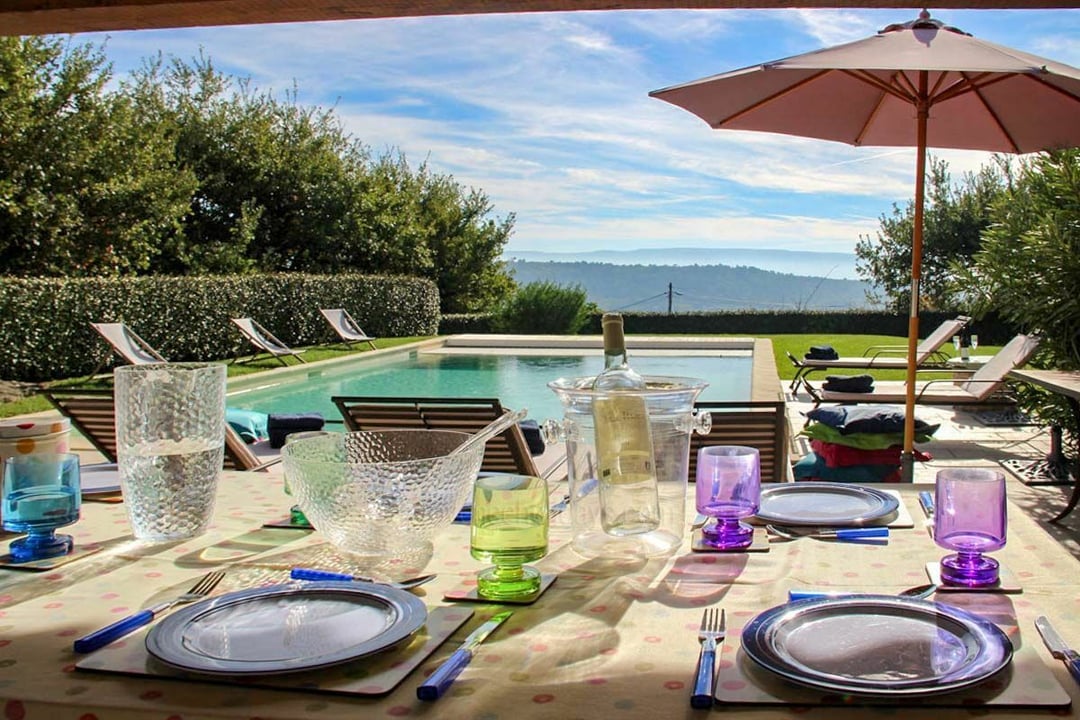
(518, 381)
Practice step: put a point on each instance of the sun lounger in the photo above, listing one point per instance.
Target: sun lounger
(264, 341)
(93, 413)
(507, 452)
(973, 390)
(347, 329)
(127, 344)
(885, 357)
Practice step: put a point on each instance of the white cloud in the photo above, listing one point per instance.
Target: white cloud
(549, 114)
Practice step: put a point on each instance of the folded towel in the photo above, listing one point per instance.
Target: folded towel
(850, 419)
(531, 430)
(813, 467)
(822, 352)
(248, 424)
(849, 383)
(280, 425)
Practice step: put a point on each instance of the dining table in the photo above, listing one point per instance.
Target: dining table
(611, 637)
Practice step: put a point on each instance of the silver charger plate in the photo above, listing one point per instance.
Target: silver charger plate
(824, 503)
(878, 645)
(99, 479)
(286, 628)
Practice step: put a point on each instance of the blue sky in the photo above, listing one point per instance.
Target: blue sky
(549, 114)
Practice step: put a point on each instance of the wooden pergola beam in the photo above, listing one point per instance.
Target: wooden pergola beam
(42, 17)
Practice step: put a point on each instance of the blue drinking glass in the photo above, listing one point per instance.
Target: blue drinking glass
(41, 493)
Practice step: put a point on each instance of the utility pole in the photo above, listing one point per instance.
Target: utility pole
(670, 292)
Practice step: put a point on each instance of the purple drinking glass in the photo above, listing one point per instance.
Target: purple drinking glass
(969, 517)
(728, 489)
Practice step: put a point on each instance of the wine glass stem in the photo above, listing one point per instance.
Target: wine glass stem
(509, 573)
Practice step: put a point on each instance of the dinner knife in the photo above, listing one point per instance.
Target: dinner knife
(1057, 646)
(439, 681)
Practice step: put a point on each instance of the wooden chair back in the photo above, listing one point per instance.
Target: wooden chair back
(762, 425)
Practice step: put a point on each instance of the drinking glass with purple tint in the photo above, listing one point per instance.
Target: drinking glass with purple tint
(728, 487)
(969, 517)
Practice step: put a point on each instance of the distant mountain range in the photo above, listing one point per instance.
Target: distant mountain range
(651, 288)
(832, 265)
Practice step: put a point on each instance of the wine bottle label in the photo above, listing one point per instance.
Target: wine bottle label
(623, 439)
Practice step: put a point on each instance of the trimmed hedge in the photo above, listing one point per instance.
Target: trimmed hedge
(45, 322)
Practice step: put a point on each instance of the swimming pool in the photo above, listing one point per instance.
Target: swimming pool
(517, 375)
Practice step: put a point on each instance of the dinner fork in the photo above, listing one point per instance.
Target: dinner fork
(713, 630)
(100, 638)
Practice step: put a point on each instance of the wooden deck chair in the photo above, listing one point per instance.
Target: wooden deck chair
(264, 341)
(93, 413)
(125, 343)
(507, 452)
(761, 425)
(978, 388)
(886, 357)
(347, 329)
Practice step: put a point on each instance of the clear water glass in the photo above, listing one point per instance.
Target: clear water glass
(970, 518)
(41, 493)
(956, 342)
(170, 438)
(728, 489)
(509, 527)
(974, 342)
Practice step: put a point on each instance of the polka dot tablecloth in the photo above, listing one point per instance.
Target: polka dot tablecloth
(610, 639)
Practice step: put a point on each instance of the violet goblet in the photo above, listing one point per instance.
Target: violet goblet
(728, 489)
(969, 517)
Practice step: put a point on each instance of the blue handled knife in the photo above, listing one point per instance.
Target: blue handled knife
(1057, 646)
(440, 680)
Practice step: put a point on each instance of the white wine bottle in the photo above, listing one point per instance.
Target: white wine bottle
(626, 468)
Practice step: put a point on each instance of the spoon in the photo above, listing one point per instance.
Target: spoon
(312, 574)
(490, 430)
(919, 592)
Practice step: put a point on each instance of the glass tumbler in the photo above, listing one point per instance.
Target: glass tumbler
(509, 527)
(728, 489)
(969, 518)
(170, 440)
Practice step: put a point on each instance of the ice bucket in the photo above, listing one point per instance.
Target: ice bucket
(670, 404)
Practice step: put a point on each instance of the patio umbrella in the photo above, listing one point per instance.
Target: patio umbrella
(916, 84)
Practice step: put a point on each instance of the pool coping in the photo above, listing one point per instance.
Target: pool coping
(764, 384)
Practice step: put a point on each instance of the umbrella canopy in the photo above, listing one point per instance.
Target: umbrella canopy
(917, 84)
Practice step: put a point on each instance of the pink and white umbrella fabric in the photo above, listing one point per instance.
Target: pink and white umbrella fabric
(916, 84)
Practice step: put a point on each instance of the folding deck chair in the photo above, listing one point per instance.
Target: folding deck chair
(125, 343)
(347, 329)
(264, 341)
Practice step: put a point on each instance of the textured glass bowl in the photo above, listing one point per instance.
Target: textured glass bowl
(381, 495)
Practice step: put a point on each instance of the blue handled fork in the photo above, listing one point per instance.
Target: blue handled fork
(100, 638)
(712, 632)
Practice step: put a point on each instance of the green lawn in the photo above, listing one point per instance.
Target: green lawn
(797, 345)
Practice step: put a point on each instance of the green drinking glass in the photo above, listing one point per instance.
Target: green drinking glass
(509, 527)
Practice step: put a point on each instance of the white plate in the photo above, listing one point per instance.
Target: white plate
(876, 645)
(824, 504)
(99, 479)
(286, 628)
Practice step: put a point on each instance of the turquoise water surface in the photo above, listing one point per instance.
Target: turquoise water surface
(517, 380)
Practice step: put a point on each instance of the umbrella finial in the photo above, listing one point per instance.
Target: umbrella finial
(923, 22)
(924, 15)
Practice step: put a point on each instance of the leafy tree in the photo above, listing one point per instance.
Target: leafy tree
(87, 186)
(1028, 270)
(954, 218)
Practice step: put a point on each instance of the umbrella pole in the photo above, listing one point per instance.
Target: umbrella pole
(907, 458)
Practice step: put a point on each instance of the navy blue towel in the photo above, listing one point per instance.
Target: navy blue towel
(279, 426)
(531, 430)
(822, 352)
(849, 383)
